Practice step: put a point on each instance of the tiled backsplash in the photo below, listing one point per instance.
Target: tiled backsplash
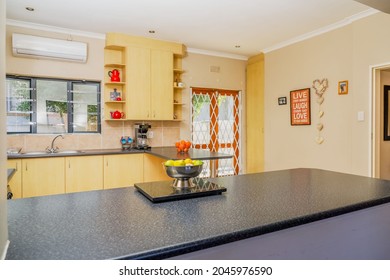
(165, 133)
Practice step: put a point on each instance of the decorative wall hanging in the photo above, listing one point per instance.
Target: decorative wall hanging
(300, 107)
(343, 87)
(320, 87)
(282, 100)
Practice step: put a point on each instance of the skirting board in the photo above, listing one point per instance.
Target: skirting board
(4, 254)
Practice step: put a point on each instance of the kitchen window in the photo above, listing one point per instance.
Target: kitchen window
(43, 105)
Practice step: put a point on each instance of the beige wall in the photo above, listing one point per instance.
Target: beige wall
(3, 180)
(343, 54)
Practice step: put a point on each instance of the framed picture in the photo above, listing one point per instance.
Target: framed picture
(343, 87)
(300, 107)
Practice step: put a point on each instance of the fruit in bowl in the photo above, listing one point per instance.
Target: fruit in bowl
(183, 146)
(183, 169)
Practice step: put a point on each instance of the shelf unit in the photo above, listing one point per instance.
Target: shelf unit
(177, 90)
(114, 58)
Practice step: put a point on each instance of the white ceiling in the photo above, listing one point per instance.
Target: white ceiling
(212, 25)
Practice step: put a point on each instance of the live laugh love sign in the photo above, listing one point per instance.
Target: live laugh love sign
(300, 107)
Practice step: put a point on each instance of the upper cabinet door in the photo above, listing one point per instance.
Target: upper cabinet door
(161, 85)
(138, 83)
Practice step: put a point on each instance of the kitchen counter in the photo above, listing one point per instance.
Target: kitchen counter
(123, 224)
(163, 152)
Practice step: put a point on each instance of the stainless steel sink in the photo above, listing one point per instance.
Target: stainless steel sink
(64, 152)
(69, 152)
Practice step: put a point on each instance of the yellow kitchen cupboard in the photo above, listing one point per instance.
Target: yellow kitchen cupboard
(123, 170)
(153, 169)
(83, 173)
(16, 181)
(43, 176)
(150, 84)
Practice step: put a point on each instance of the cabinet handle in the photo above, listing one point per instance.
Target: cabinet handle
(107, 163)
(26, 166)
(16, 167)
(69, 164)
(154, 114)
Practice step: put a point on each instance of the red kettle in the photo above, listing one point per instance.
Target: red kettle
(117, 115)
(114, 75)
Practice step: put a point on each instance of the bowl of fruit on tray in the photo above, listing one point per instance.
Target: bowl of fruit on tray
(183, 170)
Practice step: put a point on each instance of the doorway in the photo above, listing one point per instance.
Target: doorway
(380, 144)
(216, 116)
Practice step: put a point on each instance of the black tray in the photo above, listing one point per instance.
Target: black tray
(164, 191)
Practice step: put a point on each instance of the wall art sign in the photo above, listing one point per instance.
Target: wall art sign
(343, 87)
(282, 100)
(300, 107)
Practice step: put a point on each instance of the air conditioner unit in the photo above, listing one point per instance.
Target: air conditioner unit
(48, 48)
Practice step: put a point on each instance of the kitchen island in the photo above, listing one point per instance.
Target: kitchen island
(306, 205)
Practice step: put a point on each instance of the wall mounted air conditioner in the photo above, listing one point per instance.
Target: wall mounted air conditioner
(48, 48)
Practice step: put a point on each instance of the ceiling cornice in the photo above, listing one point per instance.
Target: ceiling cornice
(323, 30)
(55, 29)
(215, 53)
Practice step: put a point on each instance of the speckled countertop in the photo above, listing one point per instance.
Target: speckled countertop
(163, 152)
(123, 224)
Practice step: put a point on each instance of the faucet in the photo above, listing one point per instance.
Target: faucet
(53, 150)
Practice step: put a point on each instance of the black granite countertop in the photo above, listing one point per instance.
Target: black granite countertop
(123, 224)
(163, 152)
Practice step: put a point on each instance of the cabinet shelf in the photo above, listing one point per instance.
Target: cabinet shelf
(115, 83)
(113, 102)
(177, 87)
(177, 70)
(115, 65)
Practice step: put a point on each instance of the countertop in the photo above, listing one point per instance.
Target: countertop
(163, 152)
(123, 224)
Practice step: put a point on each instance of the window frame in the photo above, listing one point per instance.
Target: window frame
(69, 100)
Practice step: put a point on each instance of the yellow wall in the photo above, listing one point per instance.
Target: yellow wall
(343, 54)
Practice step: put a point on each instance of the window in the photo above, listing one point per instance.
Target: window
(42, 105)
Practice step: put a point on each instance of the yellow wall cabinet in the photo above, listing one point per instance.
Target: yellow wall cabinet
(154, 169)
(43, 176)
(148, 68)
(123, 170)
(84, 173)
(150, 84)
(16, 181)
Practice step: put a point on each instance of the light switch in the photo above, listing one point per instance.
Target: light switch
(360, 116)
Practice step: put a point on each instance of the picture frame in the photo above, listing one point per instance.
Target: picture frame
(343, 87)
(300, 111)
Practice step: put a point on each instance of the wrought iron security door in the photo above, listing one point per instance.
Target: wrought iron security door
(216, 127)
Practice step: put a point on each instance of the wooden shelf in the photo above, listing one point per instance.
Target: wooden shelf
(113, 101)
(177, 87)
(115, 83)
(178, 104)
(176, 70)
(115, 65)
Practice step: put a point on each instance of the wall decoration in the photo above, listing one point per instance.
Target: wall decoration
(320, 87)
(300, 107)
(282, 100)
(343, 87)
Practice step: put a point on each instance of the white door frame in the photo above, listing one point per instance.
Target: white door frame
(374, 151)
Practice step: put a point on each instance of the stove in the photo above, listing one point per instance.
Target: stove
(165, 191)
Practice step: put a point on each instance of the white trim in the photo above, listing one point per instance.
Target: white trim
(215, 53)
(372, 108)
(55, 29)
(322, 30)
(4, 254)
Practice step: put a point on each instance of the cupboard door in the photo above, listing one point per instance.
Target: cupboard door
(43, 176)
(154, 169)
(138, 83)
(123, 170)
(16, 181)
(84, 173)
(161, 85)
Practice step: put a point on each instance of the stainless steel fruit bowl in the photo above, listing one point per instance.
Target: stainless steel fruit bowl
(183, 174)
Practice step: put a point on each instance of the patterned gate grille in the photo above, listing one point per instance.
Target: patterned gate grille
(216, 127)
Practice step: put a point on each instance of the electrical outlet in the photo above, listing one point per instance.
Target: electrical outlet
(150, 134)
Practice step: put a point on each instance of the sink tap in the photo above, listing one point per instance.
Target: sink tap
(52, 149)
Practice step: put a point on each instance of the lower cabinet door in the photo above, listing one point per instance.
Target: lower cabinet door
(15, 183)
(43, 176)
(154, 169)
(84, 173)
(123, 170)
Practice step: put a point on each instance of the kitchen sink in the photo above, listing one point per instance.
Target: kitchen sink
(64, 152)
